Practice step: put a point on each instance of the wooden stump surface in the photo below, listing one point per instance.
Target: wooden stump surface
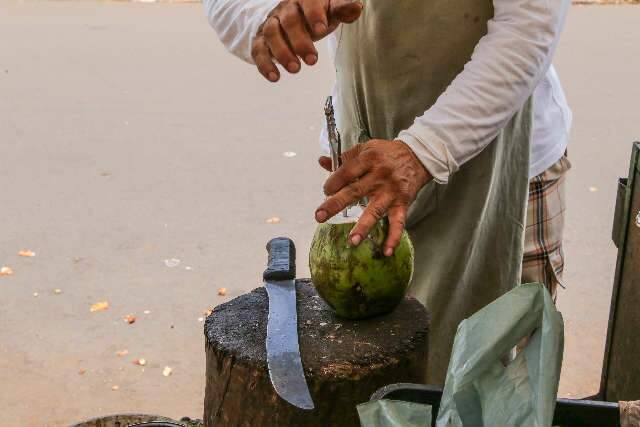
(344, 361)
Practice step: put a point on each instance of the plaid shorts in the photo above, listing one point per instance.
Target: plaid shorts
(543, 259)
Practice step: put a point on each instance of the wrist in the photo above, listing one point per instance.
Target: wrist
(423, 173)
(432, 152)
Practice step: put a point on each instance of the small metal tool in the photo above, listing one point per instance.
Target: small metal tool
(335, 143)
(334, 136)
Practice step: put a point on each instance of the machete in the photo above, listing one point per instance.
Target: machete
(283, 352)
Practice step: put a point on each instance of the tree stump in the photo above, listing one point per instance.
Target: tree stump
(344, 361)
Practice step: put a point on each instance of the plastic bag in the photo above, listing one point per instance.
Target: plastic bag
(479, 389)
(394, 413)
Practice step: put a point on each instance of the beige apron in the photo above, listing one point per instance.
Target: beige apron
(391, 65)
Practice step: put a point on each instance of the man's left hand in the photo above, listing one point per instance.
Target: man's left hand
(388, 173)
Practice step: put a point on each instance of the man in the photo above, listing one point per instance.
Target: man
(454, 117)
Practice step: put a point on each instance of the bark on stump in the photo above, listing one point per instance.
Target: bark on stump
(344, 361)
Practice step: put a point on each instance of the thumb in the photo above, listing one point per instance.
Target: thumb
(345, 11)
(325, 162)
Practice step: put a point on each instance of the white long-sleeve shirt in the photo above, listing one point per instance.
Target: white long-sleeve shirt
(509, 64)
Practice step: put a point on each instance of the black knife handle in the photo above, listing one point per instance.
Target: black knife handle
(282, 259)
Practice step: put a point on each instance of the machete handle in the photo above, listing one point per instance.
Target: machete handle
(282, 259)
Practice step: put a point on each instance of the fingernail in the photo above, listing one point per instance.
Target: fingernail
(310, 59)
(272, 77)
(355, 240)
(321, 216)
(293, 67)
(319, 28)
(388, 251)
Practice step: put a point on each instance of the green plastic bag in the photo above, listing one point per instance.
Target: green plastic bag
(479, 389)
(394, 413)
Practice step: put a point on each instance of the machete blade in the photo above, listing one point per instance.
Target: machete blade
(283, 353)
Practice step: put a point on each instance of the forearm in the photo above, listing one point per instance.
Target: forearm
(503, 72)
(236, 22)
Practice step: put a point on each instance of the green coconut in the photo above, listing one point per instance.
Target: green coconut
(359, 282)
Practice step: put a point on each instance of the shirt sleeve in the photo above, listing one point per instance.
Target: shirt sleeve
(236, 22)
(505, 68)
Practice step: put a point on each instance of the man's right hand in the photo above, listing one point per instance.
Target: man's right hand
(291, 28)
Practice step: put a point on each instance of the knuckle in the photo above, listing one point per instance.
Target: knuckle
(355, 151)
(400, 223)
(314, 14)
(255, 51)
(349, 176)
(349, 155)
(356, 189)
(404, 191)
(370, 155)
(329, 206)
(378, 211)
(280, 6)
(398, 216)
(289, 19)
(258, 51)
(262, 59)
(270, 29)
(338, 203)
(259, 42)
(262, 67)
(366, 221)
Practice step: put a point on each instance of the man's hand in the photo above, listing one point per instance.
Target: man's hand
(388, 173)
(291, 28)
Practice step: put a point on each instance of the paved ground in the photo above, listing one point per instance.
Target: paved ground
(128, 137)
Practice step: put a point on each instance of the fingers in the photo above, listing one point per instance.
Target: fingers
(345, 175)
(352, 168)
(344, 198)
(374, 212)
(325, 163)
(397, 218)
(293, 23)
(315, 13)
(324, 17)
(279, 46)
(264, 61)
(346, 11)
(292, 27)
(387, 173)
